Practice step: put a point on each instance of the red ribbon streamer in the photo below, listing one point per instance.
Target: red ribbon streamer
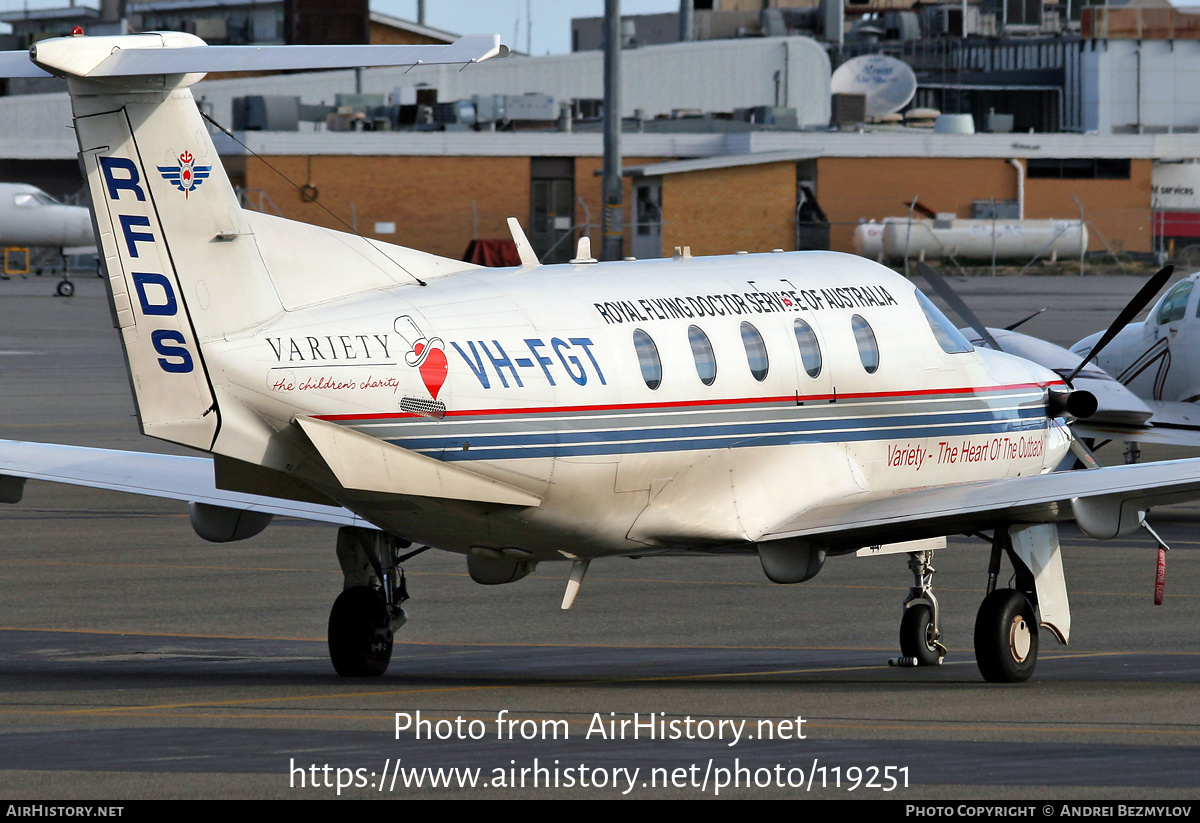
(1160, 579)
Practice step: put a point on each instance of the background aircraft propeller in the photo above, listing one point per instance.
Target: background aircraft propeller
(1140, 300)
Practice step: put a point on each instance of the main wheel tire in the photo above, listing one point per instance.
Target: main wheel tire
(1006, 637)
(918, 638)
(65, 288)
(358, 626)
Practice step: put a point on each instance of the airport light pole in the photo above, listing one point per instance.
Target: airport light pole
(613, 241)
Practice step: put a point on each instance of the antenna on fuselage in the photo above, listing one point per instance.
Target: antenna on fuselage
(524, 248)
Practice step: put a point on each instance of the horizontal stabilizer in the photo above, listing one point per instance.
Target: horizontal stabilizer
(158, 53)
(364, 463)
(154, 475)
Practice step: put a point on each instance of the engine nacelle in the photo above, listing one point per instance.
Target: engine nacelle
(1105, 517)
(219, 524)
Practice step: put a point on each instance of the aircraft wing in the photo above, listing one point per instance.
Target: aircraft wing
(1172, 423)
(153, 475)
(868, 519)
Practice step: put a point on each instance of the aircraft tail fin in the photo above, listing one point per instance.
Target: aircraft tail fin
(183, 264)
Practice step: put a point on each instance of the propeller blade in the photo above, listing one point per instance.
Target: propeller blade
(955, 302)
(1140, 300)
(1014, 326)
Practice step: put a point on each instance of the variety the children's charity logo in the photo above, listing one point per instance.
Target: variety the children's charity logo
(427, 355)
(187, 175)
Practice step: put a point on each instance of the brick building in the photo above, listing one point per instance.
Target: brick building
(718, 193)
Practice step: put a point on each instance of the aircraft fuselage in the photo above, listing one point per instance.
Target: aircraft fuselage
(622, 393)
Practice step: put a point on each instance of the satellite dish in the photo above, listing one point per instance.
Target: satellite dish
(887, 83)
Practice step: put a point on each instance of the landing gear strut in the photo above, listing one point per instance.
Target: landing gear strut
(367, 614)
(1006, 628)
(920, 629)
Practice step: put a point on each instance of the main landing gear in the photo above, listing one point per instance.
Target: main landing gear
(367, 614)
(1006, 637)
(1007, 625)
(1006, 628)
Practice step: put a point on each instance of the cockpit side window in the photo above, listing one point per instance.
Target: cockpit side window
(1174, 305)
(948, 337)
(33, 199)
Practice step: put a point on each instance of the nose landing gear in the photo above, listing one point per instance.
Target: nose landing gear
(920, 630)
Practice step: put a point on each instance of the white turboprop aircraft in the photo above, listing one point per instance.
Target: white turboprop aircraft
(1157, 360)
(784, 406)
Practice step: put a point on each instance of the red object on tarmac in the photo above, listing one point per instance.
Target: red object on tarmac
(1160, 579)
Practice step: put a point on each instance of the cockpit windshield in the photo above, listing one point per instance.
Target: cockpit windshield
(948, 337)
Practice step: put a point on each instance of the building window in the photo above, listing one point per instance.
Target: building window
(868, 348)
(1077, 168)
(702, 351)
(648, 359)
(756, 352)
(810, 349)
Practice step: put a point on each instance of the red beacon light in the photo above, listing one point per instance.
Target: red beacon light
(77, 31)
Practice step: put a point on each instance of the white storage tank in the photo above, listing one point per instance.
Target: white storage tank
(982, 239)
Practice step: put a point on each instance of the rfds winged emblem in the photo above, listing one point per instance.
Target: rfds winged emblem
(187, 175)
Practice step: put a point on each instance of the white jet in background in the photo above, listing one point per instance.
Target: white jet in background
(30, 217)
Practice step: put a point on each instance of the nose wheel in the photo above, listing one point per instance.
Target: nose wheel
(919, 638)
(920, 631)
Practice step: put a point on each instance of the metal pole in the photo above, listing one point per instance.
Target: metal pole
(612, 247)
(687, 25)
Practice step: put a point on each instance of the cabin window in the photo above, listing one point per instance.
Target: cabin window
(1174, 305)
(756, 352)
(810, 349)
(868, 348)
(702, 351)
(648, 359)
(948, 337)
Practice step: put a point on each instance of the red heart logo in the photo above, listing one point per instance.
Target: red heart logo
(434, 371)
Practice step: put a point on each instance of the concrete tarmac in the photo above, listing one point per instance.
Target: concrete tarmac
(138, 661)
